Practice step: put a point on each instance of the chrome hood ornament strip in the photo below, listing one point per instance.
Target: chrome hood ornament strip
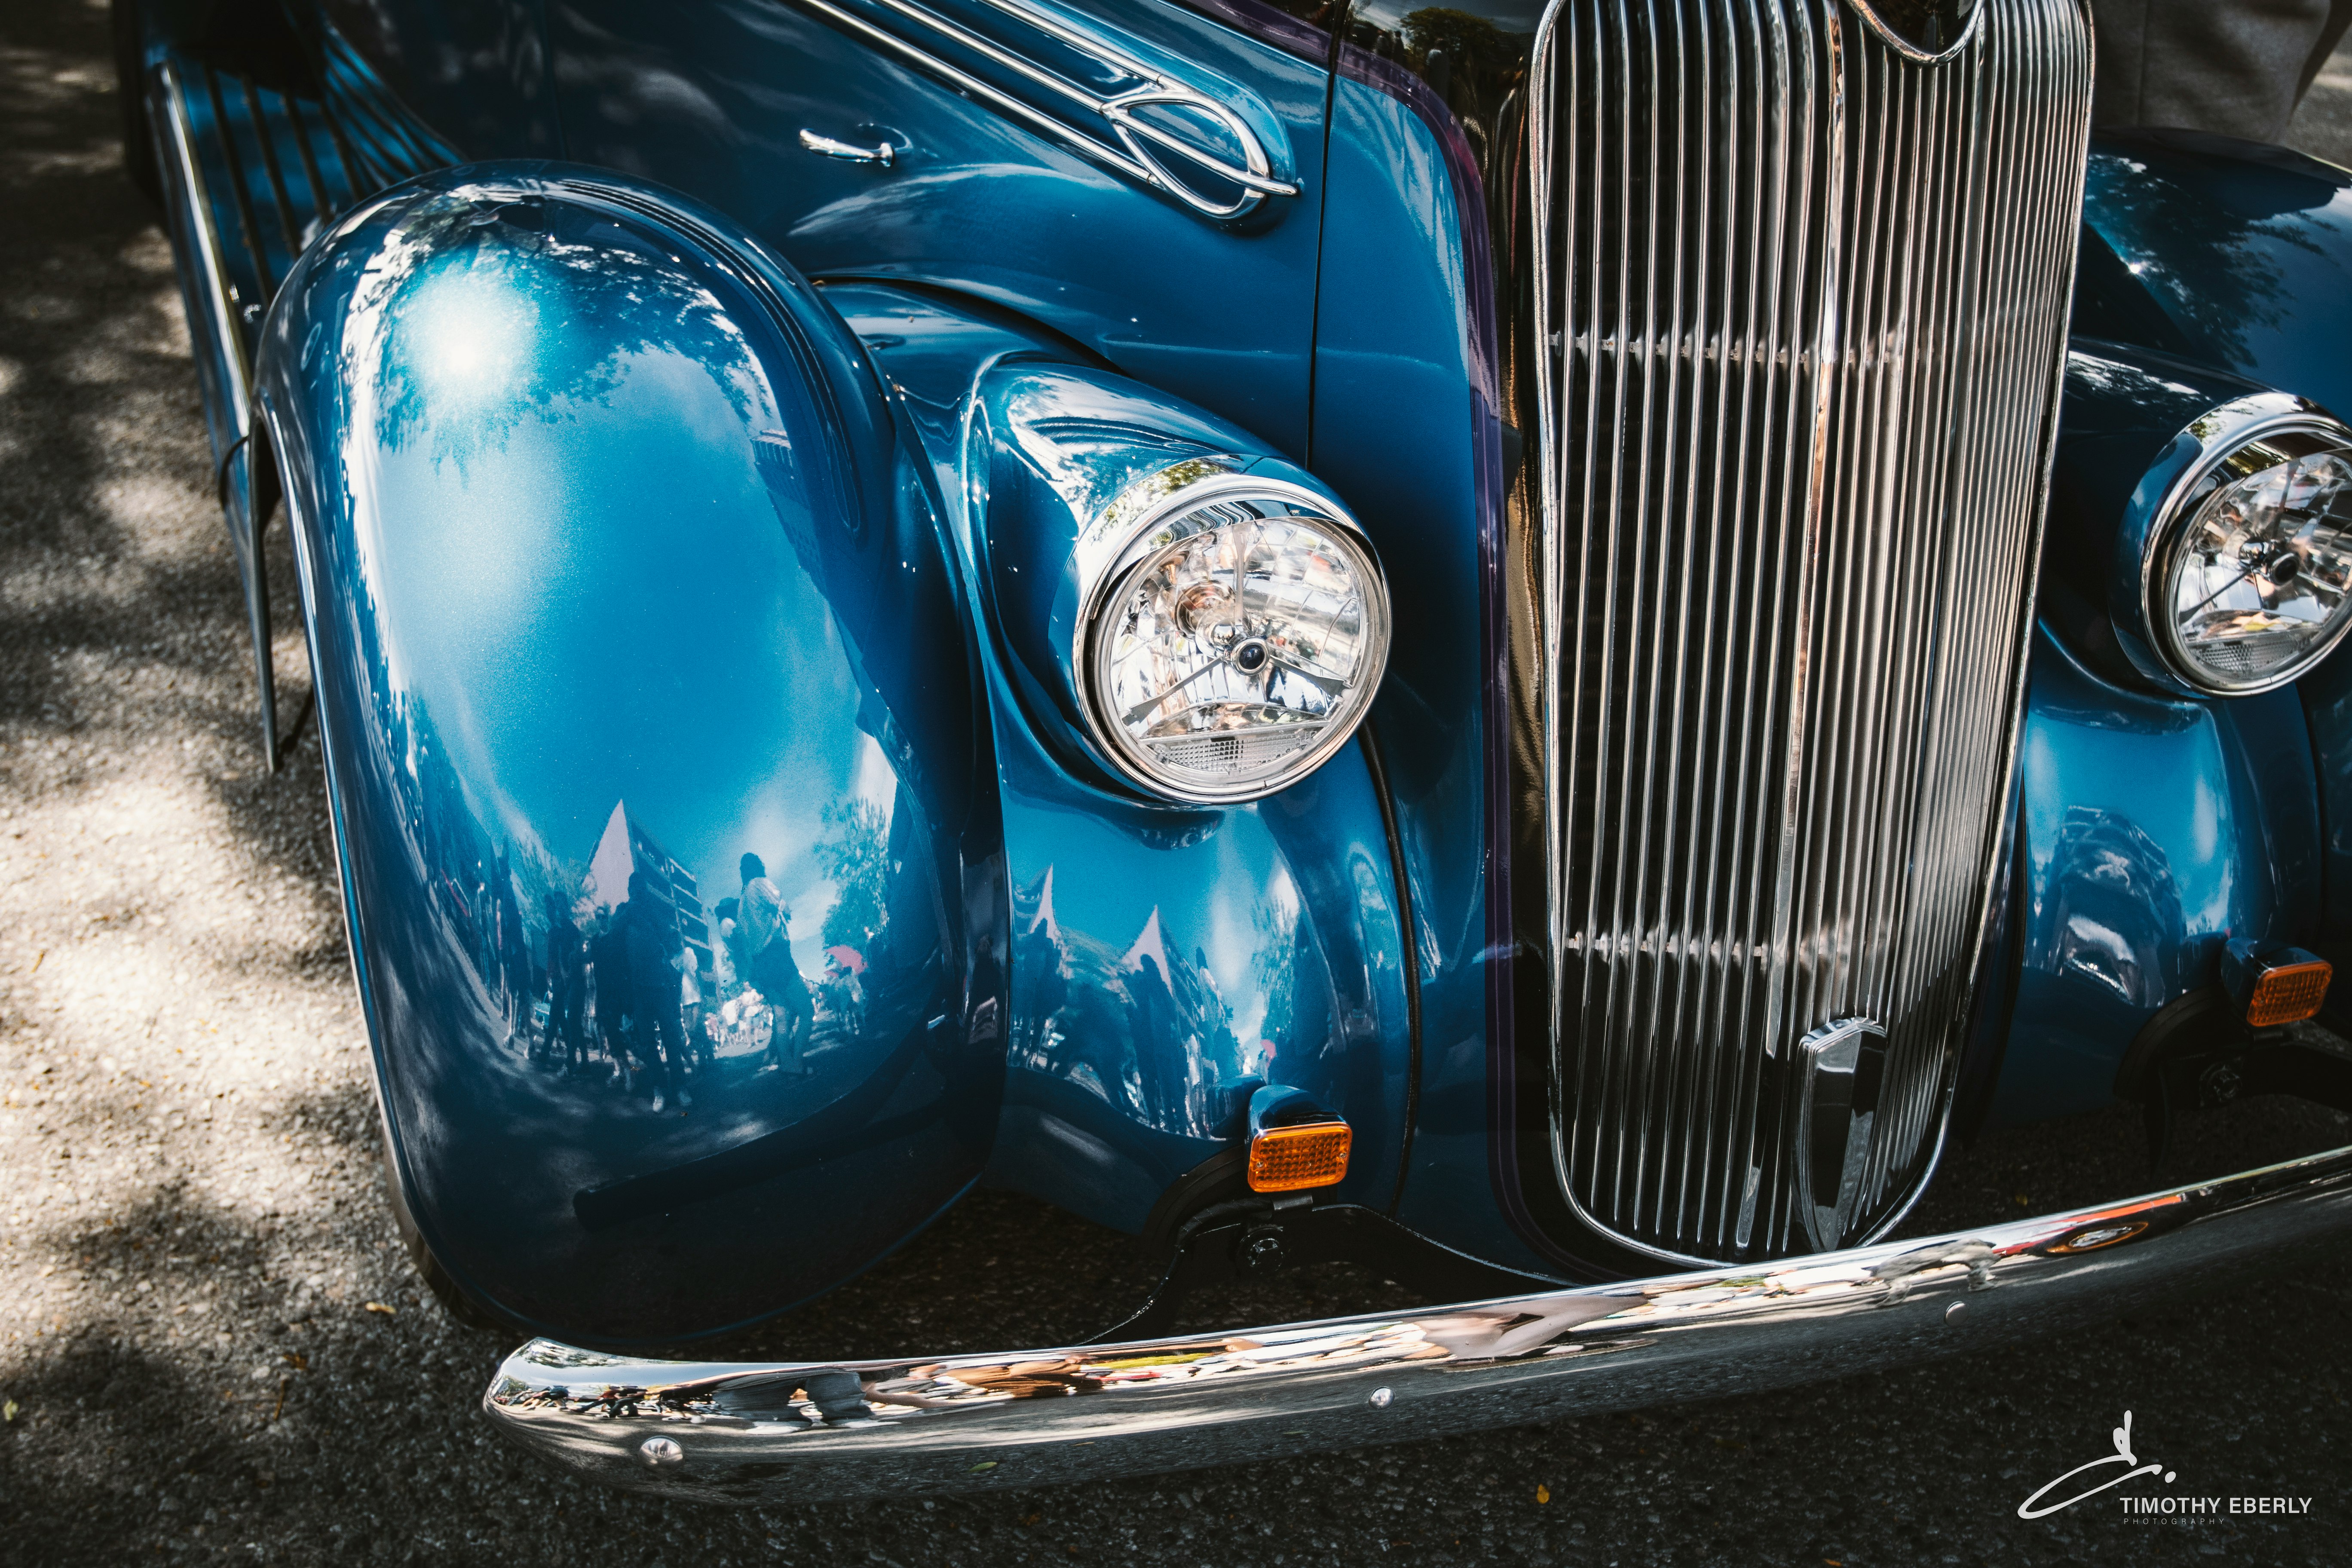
(1155, 127)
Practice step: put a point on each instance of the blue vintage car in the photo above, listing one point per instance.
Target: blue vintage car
(1544, 645)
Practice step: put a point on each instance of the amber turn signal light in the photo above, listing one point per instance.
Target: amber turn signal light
(2274, 983)
(1286, 1159)
(2288, 993)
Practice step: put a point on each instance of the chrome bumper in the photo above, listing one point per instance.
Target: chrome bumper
(764, 1433)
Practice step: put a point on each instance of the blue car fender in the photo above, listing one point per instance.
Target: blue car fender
(670, 853)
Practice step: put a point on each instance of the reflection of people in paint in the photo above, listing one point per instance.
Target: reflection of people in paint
(1037, 961)
(656, 1033)
(608, 953)
(701, 983)
(763, 956)
(567, 985)
(844, 997)
(479, 911)
(1154, 1020)
(514, 946)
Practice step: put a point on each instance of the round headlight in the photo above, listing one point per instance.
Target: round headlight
(2251, 582)
(1234, 637)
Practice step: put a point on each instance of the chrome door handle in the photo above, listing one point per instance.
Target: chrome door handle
(829, 147)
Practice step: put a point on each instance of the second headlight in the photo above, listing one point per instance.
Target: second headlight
(2249, 580)
(1233, 633)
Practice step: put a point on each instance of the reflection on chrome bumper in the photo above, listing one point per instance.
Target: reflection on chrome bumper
(750, 1433)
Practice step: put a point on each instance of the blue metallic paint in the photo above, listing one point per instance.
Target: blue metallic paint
(2226, 253)
(712, 101)
(613, 563)
(2156, 829)
(2156, 825)
(410, 84)
(1406, 431)
(2326, 694)
(1164, 958)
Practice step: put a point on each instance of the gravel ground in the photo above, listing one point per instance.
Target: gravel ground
(212, 1347)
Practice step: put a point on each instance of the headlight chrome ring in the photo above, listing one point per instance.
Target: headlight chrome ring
(1232, 629)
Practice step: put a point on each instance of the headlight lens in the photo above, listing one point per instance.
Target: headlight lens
(2256, 585)
(1235, 641)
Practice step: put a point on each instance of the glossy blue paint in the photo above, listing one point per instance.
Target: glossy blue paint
(2229, 254)
(426, 83)
(2156, 826)
(616, 570)
(1164, 958)
(712, 101)
(2156, 829)
(1407, 432)
(1166, 962)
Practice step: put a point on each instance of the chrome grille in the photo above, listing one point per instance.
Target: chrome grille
(1804, 302)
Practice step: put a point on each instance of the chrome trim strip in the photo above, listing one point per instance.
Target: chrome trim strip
(848, 152)
(768, 1432)
(1131, 156)
(1913, 52)
(206, 245)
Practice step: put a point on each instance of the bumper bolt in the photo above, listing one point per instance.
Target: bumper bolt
(1261, 1251)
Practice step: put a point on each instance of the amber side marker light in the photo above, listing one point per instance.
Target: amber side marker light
(2274, 983)
(1288, 1158)
(2289, 993)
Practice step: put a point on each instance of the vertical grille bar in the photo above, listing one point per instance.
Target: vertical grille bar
(1802, 301)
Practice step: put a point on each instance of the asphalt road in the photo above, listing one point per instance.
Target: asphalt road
(210, 1347)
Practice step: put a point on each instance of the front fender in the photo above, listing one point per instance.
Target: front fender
(2229, 254)
(613, 564)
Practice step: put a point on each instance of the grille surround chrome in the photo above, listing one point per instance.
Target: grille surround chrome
(1678, 1140)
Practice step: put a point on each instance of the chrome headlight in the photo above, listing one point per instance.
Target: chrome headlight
(1232, 631)
(2248, 573)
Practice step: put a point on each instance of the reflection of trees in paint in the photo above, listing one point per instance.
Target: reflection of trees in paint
(495, 303)
(856, 858)
(1145, 1028)
(2219, 273)
(1459, 34)
(1273, 961)
(539, 876)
